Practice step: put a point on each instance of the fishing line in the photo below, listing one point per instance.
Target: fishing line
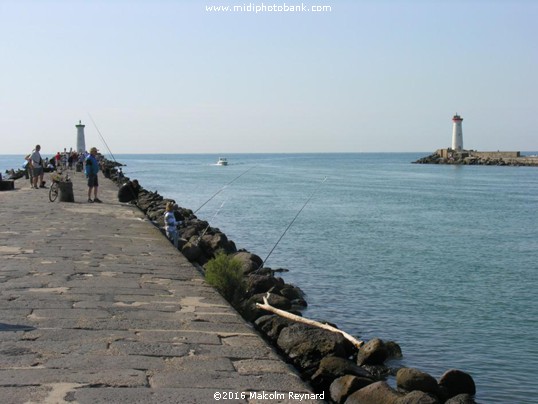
(291, 223)
(208, 225)
(222, 189)
(102, 138)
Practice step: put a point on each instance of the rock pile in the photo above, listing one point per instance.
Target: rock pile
(330, 362)
(467, 158)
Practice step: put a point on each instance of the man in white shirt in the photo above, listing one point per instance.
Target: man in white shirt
(37, 167)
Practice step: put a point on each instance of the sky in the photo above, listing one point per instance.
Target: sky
(171, 76)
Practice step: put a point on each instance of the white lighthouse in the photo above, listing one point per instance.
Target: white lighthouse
(457, 133)
(81, 142)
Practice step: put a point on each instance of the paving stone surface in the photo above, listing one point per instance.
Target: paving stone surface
(96, 306)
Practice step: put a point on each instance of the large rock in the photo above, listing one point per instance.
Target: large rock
(193, 227)
(156, 215)
(307, 345)
(394, 350)
(461, 399)
(251, 312)
(271, 325)
(374, 352)
(249, 262)
(191, 251)
(332, 367)
(409, 379)
(211, 243)
(454, 382)
(418, 397)
(263, 283)
(375, 393)
(346, 385)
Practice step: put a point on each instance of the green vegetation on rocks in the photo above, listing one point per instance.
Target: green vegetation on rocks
(225, 274)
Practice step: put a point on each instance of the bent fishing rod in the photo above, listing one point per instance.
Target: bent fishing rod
(291, 223)
(222, 189)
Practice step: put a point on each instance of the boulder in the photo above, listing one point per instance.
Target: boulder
(306, 346)
(156, 215)
(393, 350)
(191, 251)
(454, 382)
(271, 325)
(251, 312)
(332, 367)
(211, 243)
(374, 352)
(346, 385)
(375, 393)
(461, 399)
(292, 292)
(249, 262)
(262, 284)
(409, 379)
(418, 397)
(192, 228)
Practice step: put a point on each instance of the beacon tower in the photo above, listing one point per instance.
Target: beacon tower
(81, 143)
(457, 133)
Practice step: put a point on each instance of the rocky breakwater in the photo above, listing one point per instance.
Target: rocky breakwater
(330, 362)
(470, 157)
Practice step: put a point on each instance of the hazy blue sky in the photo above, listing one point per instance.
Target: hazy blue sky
(169, 76)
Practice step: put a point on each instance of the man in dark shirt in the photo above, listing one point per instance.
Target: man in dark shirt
(129, 191)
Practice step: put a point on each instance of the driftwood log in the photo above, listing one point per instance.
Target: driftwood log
(293, 317)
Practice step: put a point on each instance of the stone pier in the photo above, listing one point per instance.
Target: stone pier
(96, 306)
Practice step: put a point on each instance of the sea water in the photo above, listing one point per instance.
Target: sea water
(441, 259)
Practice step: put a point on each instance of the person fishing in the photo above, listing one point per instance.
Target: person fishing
(171, 224)
(129, 191)
(92, 168)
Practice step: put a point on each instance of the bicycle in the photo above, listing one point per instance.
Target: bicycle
(54, 189)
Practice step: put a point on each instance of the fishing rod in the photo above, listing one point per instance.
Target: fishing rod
(208, 225)
(291, 223)
(102, 138)
(222, 189)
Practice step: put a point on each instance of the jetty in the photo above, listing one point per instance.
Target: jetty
(473, 157)
(98, 306)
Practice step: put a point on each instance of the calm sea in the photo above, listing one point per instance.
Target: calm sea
(441, 259)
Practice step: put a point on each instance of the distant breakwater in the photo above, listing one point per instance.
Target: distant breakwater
(331, 363)
(472, 157)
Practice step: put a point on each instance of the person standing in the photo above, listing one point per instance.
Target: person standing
(170, 224)
(37, 168)
(57, 160)
(92, 168)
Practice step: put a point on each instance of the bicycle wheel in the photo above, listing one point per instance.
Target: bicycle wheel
(53, 191)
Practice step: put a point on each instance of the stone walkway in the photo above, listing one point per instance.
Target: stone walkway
(96, 306)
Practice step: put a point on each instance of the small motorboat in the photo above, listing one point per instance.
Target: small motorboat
(222, 161)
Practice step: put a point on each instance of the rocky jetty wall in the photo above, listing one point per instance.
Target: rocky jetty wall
(471, 157)
(331, 363)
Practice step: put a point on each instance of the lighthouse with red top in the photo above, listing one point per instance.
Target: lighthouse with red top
(457, 133)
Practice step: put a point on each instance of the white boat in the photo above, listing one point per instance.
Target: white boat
(222, 161)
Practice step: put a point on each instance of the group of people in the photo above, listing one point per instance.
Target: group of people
(36, 166)
(127, 192)
(68, 159)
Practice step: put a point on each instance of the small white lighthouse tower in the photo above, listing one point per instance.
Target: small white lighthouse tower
(81, 142)
(457, 133)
